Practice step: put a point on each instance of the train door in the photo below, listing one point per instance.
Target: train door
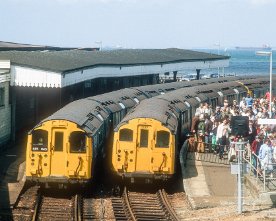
(58, 159)
(162, 155)
(78, 155)
(125, 150)
(144, 148)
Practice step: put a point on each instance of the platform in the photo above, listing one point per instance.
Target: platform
(12, 170)
(210, 183)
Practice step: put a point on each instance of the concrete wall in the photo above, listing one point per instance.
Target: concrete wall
(5, 116)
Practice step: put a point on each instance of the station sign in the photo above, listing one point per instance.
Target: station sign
(267, 121)
(235, 168)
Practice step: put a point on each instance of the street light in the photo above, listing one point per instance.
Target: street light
(218, 44)
(268, 53)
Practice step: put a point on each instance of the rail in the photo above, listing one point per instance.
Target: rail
(38, 201)
(262, 170)
(52, 208)
(127, 203)
(168, 206)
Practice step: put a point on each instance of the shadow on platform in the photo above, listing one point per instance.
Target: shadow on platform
(10, 161)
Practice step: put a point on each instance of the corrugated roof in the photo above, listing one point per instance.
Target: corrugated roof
(69, 60)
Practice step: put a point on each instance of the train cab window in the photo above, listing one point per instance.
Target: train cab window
(58, 141)
(40, 140)
(144, 135)
(77, 142)
(162, 139)
(126, 135)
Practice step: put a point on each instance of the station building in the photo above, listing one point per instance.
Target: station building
(35, 81)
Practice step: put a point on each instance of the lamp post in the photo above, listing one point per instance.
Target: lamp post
(218, 45)
(268, 53)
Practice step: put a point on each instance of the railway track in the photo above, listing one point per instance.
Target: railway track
(34, 205)
(96, 209)
(51, 208)
(24, 207)
(143, 206)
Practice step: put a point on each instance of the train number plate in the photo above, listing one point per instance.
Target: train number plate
(39, 148)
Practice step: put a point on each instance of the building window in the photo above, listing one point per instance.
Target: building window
(2, 96)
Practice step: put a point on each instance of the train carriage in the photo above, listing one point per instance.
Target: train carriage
(147, 141)
(66, 138)
(64, 147)
(144, 141)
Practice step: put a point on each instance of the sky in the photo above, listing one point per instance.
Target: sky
(139, 23)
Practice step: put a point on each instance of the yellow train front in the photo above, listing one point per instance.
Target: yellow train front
(63, 148)
(144, 143)
(58, 152)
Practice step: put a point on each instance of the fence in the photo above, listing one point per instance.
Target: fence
(263, 173)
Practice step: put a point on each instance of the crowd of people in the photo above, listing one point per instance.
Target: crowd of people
(210, 130)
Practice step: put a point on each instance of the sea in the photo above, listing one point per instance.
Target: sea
(244, 62)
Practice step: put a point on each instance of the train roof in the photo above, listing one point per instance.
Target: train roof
(88, 115)
(154, 108)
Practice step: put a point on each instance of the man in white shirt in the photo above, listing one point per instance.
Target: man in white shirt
(222, 136)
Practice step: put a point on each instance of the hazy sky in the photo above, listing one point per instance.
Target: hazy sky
(139, 23)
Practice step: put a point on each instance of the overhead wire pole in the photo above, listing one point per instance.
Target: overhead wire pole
(268, 53)
(239, 170)
(270, 86)
(218, 44)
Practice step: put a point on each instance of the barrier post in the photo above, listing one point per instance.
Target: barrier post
(239, 146)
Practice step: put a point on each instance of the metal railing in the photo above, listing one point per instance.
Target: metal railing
(266, 173)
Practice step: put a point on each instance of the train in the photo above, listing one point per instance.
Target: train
(64, 148)
(147, 141)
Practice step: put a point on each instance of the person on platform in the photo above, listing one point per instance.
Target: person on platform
(188, 146)
(266, 156)
(242, 103)
(267, 95)
(195, 121)
(200, 109)
(213, 135)
(223, 132)
(201, 134)
(255, 148)
(208, 129)
(207, 109)
(252, 132)
(218, 114)
(249, 100)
